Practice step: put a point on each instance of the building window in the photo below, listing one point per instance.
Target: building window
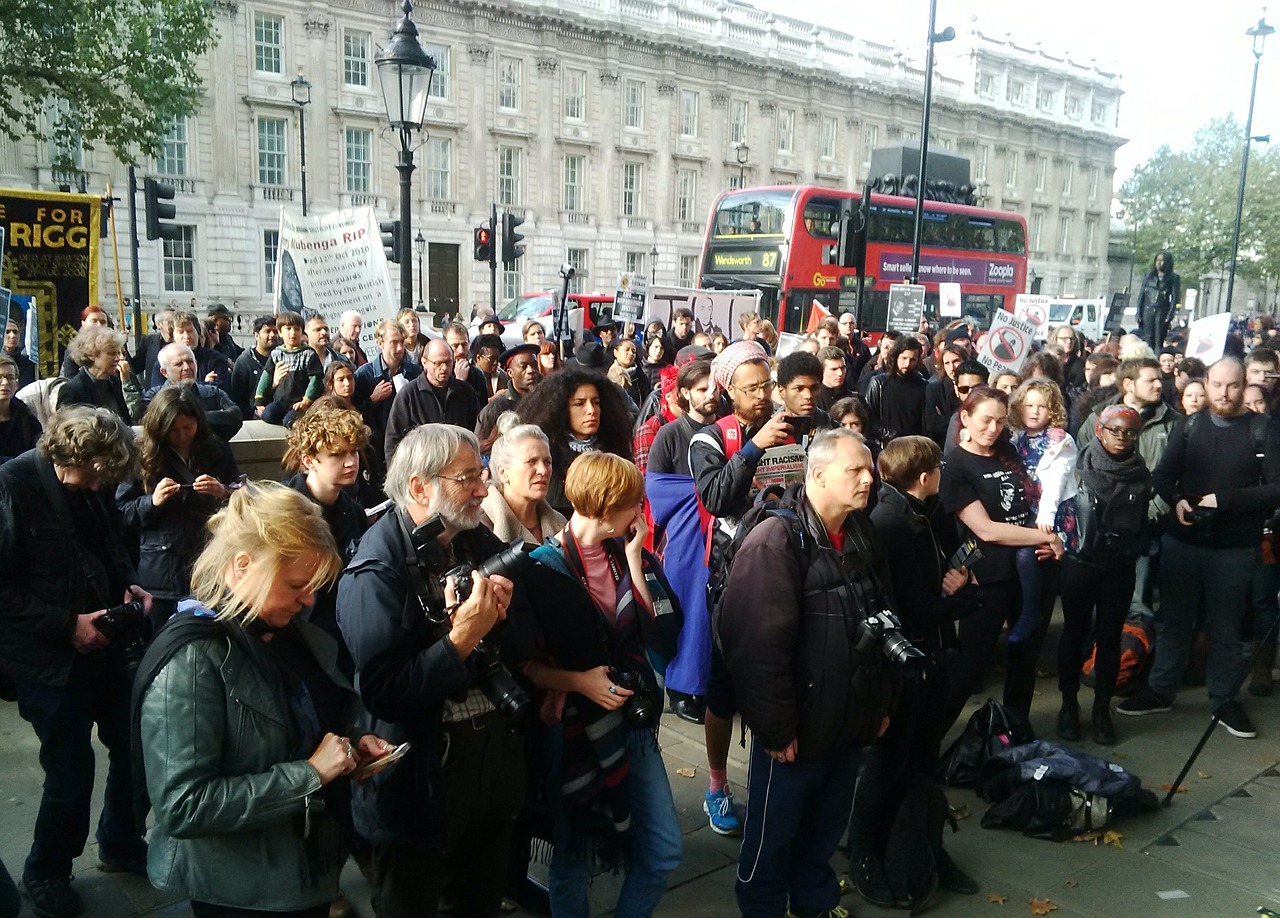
(688, 270)
(173, 150)
(786, 130)
(980, 164)
(1017, 92)
(359, 144)
(687, 195)
(870, 140)
(1068, 177)
(829, 128)
(987, 85)
(509, 175)
(179, 257)
(1042, 172)
(1090, 235)
(1064, 235)
(511, 286)
(1046, 100)
(738, 121)
(1099, 113)
(1088, 288)
(632, 174)
(1037, 231)
(634, 92)
(575, 94)
(1011, 170)
(688, 113)
(270, 257)
(268, 43)
(439, 168)
(575, 168)
(579, 258)
(634, 263)
(1095, 177)
(509, 83)
(443, 56)
(1073, 107)
(271, 151)
(355, 58)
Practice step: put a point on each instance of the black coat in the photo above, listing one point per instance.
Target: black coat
(244, 380)
(417, 404)
(83, 389)
(44, 586)
(20, 432)
(171, 536)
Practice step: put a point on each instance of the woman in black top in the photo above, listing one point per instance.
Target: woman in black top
(99, 352)
(19, 429)
(982, 484)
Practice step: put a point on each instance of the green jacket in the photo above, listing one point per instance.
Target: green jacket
(229, 804)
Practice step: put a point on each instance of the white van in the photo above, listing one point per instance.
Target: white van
(1089, 317)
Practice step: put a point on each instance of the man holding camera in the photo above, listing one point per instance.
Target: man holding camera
(66, 566)
(442, 815)
(813, 681)
(1221, 474)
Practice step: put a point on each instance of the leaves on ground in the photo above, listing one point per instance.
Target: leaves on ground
(995, 898)
(1042, 907)
(1166, 787)
(687, 772)
(1204, 774)
(960, 812)
(1072, 884)
(1113, 838)
(1094, 837)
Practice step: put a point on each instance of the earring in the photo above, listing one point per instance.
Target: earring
(964, 436)
(610, 530)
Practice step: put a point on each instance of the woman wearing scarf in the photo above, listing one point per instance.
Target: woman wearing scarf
(604, 610)
(1098, 573)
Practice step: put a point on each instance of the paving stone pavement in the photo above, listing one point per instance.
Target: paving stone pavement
(1212, 854)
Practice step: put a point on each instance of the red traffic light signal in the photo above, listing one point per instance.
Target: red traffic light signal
(483, 243)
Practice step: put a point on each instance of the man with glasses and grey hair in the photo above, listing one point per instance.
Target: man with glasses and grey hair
(435, 397)
(443, 815)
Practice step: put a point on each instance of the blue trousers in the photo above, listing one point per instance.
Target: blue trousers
(63, 717)
(796, 813)
(657, 842)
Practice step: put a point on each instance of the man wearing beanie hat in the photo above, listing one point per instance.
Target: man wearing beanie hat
(723, 457)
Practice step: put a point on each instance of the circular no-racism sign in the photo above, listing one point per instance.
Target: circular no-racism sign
(1007, 344)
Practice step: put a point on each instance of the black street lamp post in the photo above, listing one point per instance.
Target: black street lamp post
(1259, 35)
(653, 264)
(420, 246)
(302, 98)
(405, 72)
(935, 36)
(744, 156)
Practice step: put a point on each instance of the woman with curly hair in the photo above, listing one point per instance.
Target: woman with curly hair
(187, 473)
(578, 411)
(99, 353)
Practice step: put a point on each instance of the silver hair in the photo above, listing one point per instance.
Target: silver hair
(91, 341)
(423, 454)
(167, 352)
(348, 314)
(823, 448)
(511, 434)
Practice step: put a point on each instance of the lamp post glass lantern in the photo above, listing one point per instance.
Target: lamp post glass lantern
(653, 264)
(1259, 35)
(302, 98)
(420, 247)
(744, 156)
(405, 72)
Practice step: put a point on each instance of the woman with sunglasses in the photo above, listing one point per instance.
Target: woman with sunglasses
(1098, 574)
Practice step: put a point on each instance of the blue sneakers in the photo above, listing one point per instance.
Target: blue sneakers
(719, 809)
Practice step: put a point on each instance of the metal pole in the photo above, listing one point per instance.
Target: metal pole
(924, 145)
(302, 139)
(133, 260)
(405, 167)
(1244, 171)
(1133, 260)
(493, 258)
(420, 300)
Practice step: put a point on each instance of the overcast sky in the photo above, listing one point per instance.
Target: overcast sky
(1178, 68)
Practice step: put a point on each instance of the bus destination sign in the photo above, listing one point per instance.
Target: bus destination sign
(743, 261)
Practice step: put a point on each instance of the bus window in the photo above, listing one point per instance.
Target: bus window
(822, 218)
(980, 235)
(1010, 238)
(753, 213)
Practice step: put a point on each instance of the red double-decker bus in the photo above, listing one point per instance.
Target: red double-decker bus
(778, 239)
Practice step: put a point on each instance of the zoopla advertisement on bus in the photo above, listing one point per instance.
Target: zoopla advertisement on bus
(951, 269)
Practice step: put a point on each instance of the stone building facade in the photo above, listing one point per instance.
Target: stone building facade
(610, 125)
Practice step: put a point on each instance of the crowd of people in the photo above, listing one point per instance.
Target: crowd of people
(444, 646)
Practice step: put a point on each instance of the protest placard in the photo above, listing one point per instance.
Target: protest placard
(632, 298)
(949, 300)
(1007, 344)
(906, 306)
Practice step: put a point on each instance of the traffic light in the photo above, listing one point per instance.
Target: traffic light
(483, 247)
(511, 249)
(155, 193)
(850, 250)
(390, 230)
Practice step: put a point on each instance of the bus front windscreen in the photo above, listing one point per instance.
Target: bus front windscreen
(758, 212)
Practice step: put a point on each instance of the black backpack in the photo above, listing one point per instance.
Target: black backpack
(992, 728)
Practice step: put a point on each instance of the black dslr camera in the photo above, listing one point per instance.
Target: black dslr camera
(126, 626)
(641, 709)
(883, 628)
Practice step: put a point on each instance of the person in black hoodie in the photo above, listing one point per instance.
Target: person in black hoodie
(896, 399)
(912, 530)
(19, 429)
(1073, 370)
(1098, 575)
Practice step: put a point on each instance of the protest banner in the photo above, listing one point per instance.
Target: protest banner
(713, 310)
(330, 263)
(1207, 337)
(906, 306)
(51, 255)
(1033, 309)
(949, 300)
(632, 297)
(1007, 344)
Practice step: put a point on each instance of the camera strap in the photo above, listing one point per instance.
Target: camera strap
(420, 585)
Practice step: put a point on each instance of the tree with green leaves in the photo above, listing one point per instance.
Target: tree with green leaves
(116, 73)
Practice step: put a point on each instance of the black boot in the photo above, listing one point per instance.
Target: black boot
(951, 877)
(871, 883)
(1104, 731)
(1069, 720)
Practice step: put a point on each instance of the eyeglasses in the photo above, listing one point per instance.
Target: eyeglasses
(440, 363)
(757, 389)
(1124, 433)
(964, 390)
(470, 480)
(8, 377)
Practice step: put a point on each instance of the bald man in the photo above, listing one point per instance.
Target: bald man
(435, 397)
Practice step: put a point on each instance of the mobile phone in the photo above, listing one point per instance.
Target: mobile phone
(375, 766)
(800, 426)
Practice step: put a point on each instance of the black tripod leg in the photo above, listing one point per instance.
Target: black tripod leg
(1235, 690)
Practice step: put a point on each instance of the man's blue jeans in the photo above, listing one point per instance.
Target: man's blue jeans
(657, 842)
(97, 692)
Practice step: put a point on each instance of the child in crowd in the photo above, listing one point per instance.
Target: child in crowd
(293, 377)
